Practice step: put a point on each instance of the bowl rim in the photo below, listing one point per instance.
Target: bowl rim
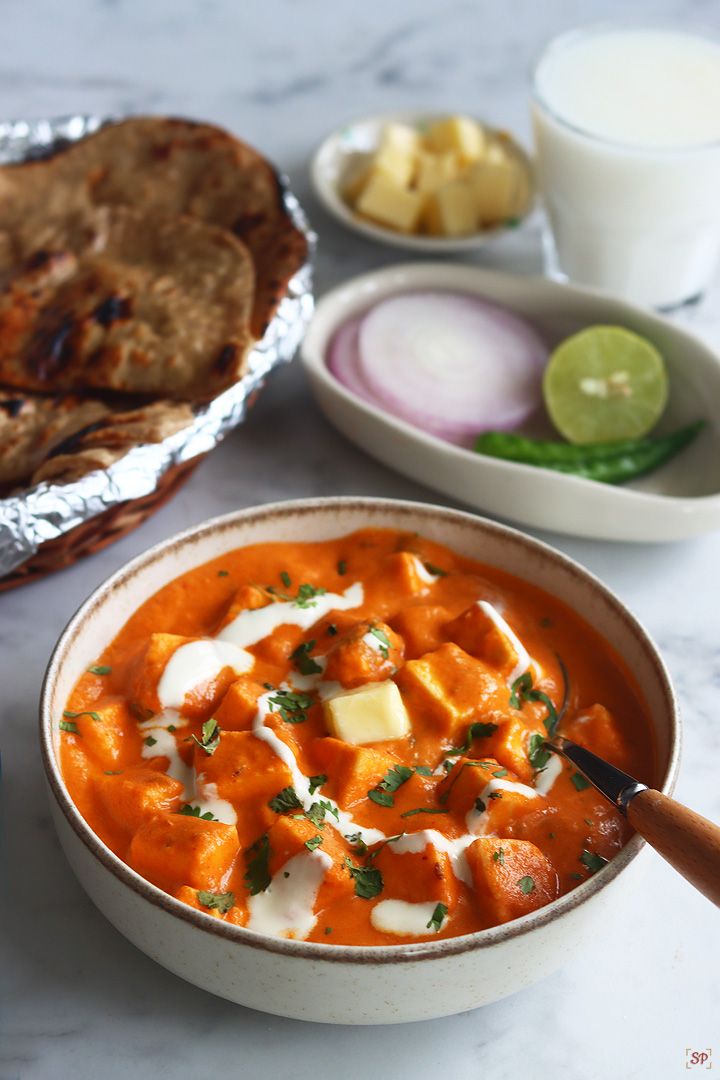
(320, 951)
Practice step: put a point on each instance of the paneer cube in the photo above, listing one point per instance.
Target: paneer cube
(459, 134)
(417, 876)
(151, 665)
(236, 915)
(450, 210)
(466, 780)
(352, 771)
(238, 708)
(448, 690)
(113, 738)
(509, 745)
(479, 635)
(368, 652)
(289, 836)
(395, 163)
(174, 849)
(386, 202)
(420, 628)
(401, 137)
(246, 598)
(371, 713)
(136, 793)
(510, 877)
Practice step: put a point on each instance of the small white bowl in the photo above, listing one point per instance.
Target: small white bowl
(679, 500)
(338, 151)
(331, 983)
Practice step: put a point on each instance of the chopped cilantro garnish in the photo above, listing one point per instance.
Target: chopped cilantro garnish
(171, 727)
(316, 814)
(425, 810)
(109, 772)
(257, 875)
(99, 669)
(303, 661)
(306, 596)
(495, 795)
(480, 806)
(140, 712)
(222, 902)
(526, 885)
(317, 781)
(592, 861)
(285, 800)
(313, 842)
(150, 741)
(437, 917)
(194, 811)
(332, 629)
(395, 777)
(285, 578)
(537, 754)
(579, 781)
(341, 567)
(368, 879)
(382, 798)
(422, 770)
(74, 715)
(475, 731)
(210, 736)
(360, 847)
(499, 773)
(291, 705)
(499, 856)
(328, 929)
(522, 688)
(576, 877)
(385, 643)
(435, 570)
(587, 821)
(222, 573)
(67, 725)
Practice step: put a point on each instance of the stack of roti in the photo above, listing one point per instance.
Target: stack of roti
(138, 267)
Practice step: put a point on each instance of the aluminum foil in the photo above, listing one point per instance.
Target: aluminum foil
(45, 512)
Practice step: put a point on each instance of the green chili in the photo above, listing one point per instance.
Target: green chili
(609, 462)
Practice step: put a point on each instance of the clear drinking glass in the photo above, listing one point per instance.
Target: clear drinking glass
(627, 134)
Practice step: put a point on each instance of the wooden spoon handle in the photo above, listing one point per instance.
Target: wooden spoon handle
(688, 841)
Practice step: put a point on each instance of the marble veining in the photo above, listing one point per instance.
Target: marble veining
(76, 1000)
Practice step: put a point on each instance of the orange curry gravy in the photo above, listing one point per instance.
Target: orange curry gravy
(200, 750)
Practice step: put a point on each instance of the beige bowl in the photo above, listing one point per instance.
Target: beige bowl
(330, 983)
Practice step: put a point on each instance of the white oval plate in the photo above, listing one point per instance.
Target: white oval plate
(677, 501)
(337, 152)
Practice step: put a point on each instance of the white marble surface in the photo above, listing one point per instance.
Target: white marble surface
(79, 1001)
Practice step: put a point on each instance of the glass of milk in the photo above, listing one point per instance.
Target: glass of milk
(627, 130)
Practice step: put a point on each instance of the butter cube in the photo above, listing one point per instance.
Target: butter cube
(450, 210)
(367, 714)
(355, 176)
(434, 169)
(395, 163)
(389, 204)
(460, 135)
(402, 137)
(495, 188)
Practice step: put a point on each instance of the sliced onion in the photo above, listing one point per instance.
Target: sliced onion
(451, 363)
(344, 363)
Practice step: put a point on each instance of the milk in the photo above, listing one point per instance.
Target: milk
(627, 128)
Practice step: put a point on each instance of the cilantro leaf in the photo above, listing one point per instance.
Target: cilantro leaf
(425, 810)
(526, 885)
(316, 814)
(140, 712)
(67, 725)
(117, 772)
(332, 629)
(313, 842)
(382, 798)
(99, 669)
(368, 879)
(522, 688)
(341, 567)
(475, 731)
(435, 570)
(257, 875)
(499, 773)
(395, 777)
(306, 596)
(480, 806)
(291, 705)
(303, 661)
(422, 770)
(150, 740)
(499, 856)
(360, 847)
(222, 902)
(285, 578)
(537, 754)
(285, 800)
(437, 917)
(222, 573)
(385, 643)
(495, 795)
(579, 781)
(194, 811)
(317, 781)
(210, 736)
(74, 715)
(592, 861)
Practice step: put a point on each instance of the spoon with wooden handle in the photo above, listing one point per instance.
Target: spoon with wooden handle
(689, 842)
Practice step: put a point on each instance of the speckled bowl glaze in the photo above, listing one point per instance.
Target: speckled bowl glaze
(329, 983)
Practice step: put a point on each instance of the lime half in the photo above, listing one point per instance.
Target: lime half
(605, 383)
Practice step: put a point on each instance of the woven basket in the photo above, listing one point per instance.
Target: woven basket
(101, 530)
